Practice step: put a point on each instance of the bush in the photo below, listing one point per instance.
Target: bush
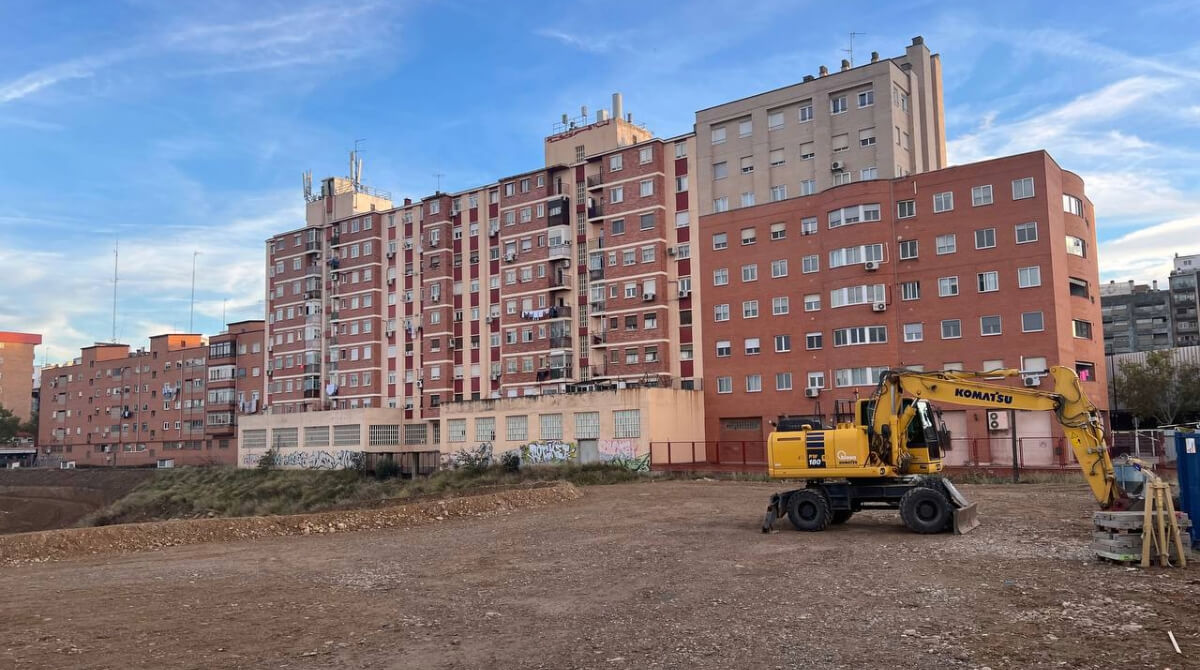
(387, 469)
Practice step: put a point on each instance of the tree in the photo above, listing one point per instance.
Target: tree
(1160, 388)
(10, 425)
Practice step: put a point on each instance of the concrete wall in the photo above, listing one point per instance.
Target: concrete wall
(344, 448)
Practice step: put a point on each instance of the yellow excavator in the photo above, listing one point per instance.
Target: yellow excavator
(890, 455)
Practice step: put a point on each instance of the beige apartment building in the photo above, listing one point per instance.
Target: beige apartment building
(16, 372)
(876, 121)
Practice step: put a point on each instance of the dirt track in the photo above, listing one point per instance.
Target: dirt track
(670, 575)
(38, 499)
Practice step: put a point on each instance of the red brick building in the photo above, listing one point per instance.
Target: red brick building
(236, 378)
(976, 267)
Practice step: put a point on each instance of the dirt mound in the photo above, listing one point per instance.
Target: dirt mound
(37, 499)
(60, 544)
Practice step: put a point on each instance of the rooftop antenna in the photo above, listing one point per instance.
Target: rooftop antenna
(116, 245)
(306, 178)
(356, 164)
(850, 51)
(439, 176)
(192, 306)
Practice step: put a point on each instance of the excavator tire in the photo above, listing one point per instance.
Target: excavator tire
(840, 516)
(925, 510)
(808, 510)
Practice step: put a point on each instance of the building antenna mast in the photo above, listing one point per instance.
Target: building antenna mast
(439, 176)
(850, 51)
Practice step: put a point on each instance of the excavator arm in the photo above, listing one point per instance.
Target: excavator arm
(1067, 401)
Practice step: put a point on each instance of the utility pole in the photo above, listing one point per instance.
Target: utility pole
(192, 306)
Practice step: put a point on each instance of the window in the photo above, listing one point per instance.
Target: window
(856, 376)
(616, 194)
(774, 120)
(645, 154)
(985, 238)
(720, 170)
(720, 312)
(866, 98)
(840, 143)
(951, 329)
(776, 157)
(1078, 287)
(857, 295)
(943, 202)
(1029, 277)
(779, 268)
(516, 428)
(720, 204)
(724, 349)
(856, 214)
(780, 306)
(615, 162)
(868, 173)
(805, 112)
(748, 236)
(750, 272)
(783, 381)
(778, 231)
(783, 343)
(753, 383)
(808, 186)
(946, 244)
(750, 309)
(724, 384)
(1032, 322)
(989, 325)
(1076, 247)
(812, 341)
(752, 346)
(720, 276)
(855, 255)
(906, 209)
(1072, 205)
(681, 183)
(1022, 188)
(718, 134)
(681, 219)
(910, 290)
(745, 128)
(981, 195)
(808, 226)
(747, 164)
(778, 192)
(908, 250)
(1026, 232)
(837, 105)
(988, 281)
(747, 198)
(646, 221)
(807, 151)
(720, 241)
(1081, 329)
(846, 337)
(816, 380)
(618, 227)
(866, 138)
(646, 187)
(810, 264)
(648, 254)
(627, 423)
(947, 286)
(914, 332)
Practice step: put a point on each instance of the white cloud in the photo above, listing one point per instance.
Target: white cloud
(591, 43)
(1145, 254)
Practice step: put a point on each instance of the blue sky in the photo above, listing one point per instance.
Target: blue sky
(184, 126)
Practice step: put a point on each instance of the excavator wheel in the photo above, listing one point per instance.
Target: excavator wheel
(808, 510)
(840, 516)
(925, 510)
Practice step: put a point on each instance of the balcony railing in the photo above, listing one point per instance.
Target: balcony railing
(600, 338)
(556, 312)
(560, 252)
(312, 270)
(312, 246)
(560, 341)
(596, 273)
(597, 306)
(595, 180)
(560, 281)
(553, 373)
(595, 211)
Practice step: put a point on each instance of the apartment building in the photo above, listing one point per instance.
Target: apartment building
(575, 274)
(1136, 317)
(980, 266)
(16, 372)
(120, 407)
(876, 121)
(1185, 298)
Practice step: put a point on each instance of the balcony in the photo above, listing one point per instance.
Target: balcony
(595, 181)
(313, 246)
(558, 212)
(560, 281)
(556, 312)
(597, 306)
(600, 338)
(553, 373)
(560, 252)
(312, 368)
(596, 273)
(560, 342)
(312, 294)
(312, 270)
(595, 211)
(599, 370)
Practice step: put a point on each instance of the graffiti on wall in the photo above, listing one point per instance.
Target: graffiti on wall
(310, 459)
(624, 454)
(549, 451)
(478, 457)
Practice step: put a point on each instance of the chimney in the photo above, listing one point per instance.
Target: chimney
(874, 56)
(407, 202)
(845, 65)
(629, 117)
(822, 71)
(918, 40)
(1154, 284)
(583, 112)
(808, 77)
(618, 106)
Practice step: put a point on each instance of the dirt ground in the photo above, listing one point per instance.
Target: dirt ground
(659, 575)
(39, 499)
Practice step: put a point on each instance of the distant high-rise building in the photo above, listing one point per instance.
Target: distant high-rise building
(16, 372)
(1184, 300)
(1136, 317)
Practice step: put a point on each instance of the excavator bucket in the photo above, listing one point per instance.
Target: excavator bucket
(966, 514)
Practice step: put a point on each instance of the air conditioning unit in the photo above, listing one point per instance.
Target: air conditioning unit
(879, 307)
(408, 353)
(871, 266)
(391, 281)
(391, 254)
(683, 293)
(812, 392)
(1032, 380)
(434, 243)
(837, 166)
(420, 383)
(670, 251)
(391, 331)
(458, 375)
(997, 421)
(493, 232)
(488, 320)
(508, 258)
(648, 297)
